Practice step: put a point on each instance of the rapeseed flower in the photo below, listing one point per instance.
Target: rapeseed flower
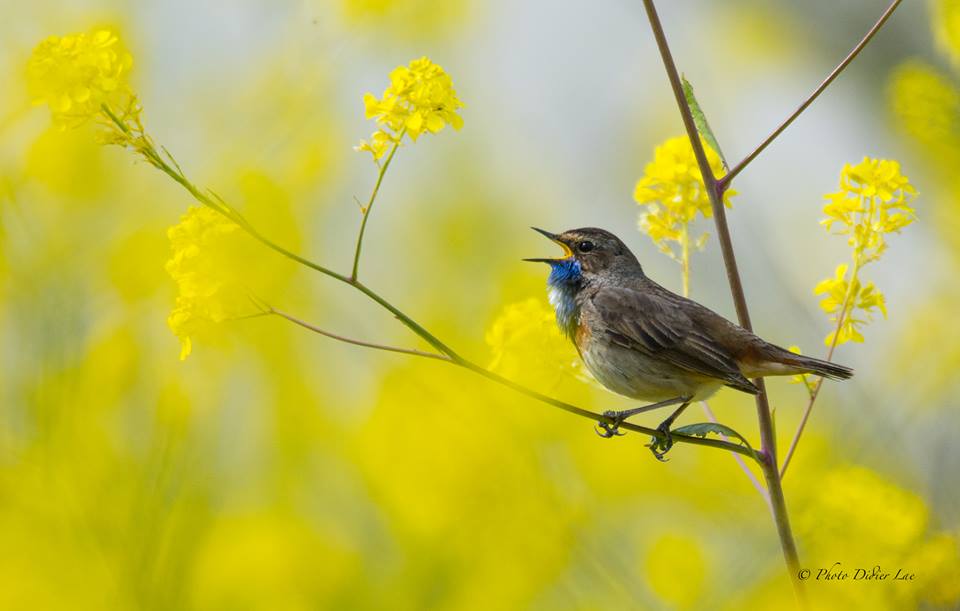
(420, 99)
(672, 194)
(205, 294)
(873, 201)
(843, 297)
(526, 343)
(76, 75)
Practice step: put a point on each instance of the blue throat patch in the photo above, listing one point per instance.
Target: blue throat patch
(563, 283)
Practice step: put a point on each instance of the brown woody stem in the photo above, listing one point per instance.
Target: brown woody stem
(767, 438)
(724, 182)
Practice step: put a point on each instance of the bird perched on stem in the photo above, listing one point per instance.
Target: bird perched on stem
(645, 342)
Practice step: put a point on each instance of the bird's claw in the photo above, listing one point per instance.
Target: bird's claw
(609, 429)
(661, 444)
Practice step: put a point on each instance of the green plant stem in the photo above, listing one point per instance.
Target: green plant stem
(725, 181)
(767, 439)
(369, 206)
(815, 391)
(463, 363)
(149, 150)
(446, 353)
(356, 342)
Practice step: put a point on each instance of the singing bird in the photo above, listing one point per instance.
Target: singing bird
(645, 342)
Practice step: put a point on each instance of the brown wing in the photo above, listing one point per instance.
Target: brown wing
(648, 323)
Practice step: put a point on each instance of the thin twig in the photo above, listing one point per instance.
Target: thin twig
(373, 198)
(767, 439)
(743, 465)
(357, 342)
(573, 409)
(447, 354)
(815, 391)
(725, 181)
(234, 215)
(725, 444)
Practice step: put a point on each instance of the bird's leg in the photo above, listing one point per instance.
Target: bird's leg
(661, 445)
(605, 429)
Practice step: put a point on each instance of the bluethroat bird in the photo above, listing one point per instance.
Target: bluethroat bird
(645, 342)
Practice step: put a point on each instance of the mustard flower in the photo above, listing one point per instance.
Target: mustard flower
(204, 293)
(873, 201)
(526, 343)
(420, 99)
(842, 297)
(672, 193)
(75, 75)
(378, 144)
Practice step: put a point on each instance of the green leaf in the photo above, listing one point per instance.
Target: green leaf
(701, 120)
(702, 429)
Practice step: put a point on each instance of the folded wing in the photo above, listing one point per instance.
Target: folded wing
(649, 323)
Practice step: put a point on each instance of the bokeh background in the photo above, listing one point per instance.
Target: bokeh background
(275, 469)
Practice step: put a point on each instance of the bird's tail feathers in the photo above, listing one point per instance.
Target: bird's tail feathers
(807, 364)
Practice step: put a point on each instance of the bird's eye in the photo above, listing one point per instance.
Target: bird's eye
(585, 246)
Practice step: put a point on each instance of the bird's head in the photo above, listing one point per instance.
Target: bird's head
(588, 252)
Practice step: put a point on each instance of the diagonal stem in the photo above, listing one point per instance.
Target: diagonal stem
(724, 444)
(768, 440)
(709, 181)
(356, 342)
(725, 181)
(373, 198)
(691, 439)
(447, 354)
(815, 391)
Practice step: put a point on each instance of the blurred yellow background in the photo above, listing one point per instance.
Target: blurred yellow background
(276, 469)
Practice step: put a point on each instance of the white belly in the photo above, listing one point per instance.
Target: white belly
(633, 375)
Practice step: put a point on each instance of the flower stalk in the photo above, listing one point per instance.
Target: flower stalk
(874, 201)
(726, 180)
(366, 209)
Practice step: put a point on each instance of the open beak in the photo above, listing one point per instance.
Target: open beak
(567, 253)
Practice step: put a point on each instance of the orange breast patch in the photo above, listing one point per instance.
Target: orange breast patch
(582, 334)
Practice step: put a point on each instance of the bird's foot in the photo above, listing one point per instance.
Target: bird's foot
(661, 444)
(612, 428)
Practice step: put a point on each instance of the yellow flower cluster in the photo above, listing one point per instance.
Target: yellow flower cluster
(75, 75)
(420, 99)
(672, 193)
(203, 293)
(526, 344)
(842, 298)
(873, 201)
